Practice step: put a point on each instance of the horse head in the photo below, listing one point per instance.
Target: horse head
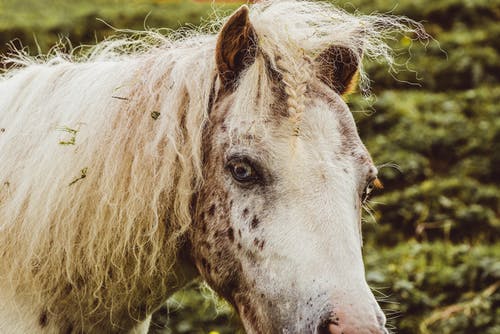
(277, 225)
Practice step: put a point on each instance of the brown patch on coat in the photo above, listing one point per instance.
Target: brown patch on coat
(211, 211)
(245, 213)
(43, 319)
(259, 243)
(280, 102)
(255, 222)
(230, 234)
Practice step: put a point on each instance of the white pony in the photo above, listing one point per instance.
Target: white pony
(126, 173)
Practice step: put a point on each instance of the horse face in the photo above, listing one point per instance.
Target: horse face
(277, 228)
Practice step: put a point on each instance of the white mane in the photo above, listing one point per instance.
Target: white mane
(100, 155)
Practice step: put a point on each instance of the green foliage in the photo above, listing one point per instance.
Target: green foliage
(39, 25)
(430, 280)
(446, 184)
(434, 250)
(197, 309)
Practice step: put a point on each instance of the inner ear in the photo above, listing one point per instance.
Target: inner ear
(338, 68)
(236, 47)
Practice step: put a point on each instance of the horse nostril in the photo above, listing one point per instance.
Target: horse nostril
(329, 326)
(331, 323)
(326, 322)
(323, 328)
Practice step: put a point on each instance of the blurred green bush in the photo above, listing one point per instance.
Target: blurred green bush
(434, 253)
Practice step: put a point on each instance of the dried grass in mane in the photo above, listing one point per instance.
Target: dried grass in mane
(101, 155)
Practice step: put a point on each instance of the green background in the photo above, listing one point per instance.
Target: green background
(433, 255)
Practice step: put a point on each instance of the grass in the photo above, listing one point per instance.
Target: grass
(38, 25)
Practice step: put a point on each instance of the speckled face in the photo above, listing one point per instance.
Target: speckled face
(278, 219)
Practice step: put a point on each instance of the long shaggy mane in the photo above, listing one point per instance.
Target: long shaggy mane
(101, 153)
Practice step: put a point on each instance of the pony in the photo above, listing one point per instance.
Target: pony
(146, 161)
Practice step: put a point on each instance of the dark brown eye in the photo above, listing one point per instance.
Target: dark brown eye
(242, 170)
(366, 192)
(372, 184)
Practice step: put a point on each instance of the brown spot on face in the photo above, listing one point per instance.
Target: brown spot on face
(67, 289)
(2, 130)
(261, 245)
(43, 319)
(362, 158)
(239, 245)
(230, 234)
(256, 242)
(211, 211)
(255, 222)
(245, 212)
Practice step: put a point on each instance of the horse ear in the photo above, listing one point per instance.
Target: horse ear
(339, 68)
(236, 47)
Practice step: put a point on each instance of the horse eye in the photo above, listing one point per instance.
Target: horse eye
(366, 192)
(372, 184)
(242, 170)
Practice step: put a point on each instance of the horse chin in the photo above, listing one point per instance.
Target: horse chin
(271, 322)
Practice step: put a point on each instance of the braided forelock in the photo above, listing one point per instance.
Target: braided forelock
(297, 73)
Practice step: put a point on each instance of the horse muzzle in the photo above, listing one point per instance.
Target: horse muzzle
(350, 319)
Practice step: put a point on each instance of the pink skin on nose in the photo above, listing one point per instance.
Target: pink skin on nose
(355, 323)
(334, 329)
